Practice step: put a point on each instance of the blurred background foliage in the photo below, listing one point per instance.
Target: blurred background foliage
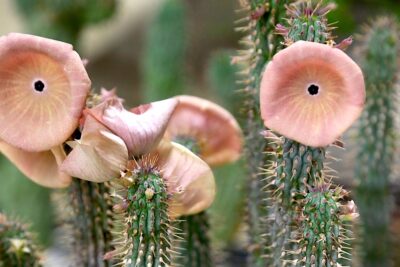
(150, 50)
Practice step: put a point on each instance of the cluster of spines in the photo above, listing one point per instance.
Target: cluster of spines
(297, 171)
(323, 236)
(90, 221)
(294, 169)
(195, 245)
(17, 245)
(260, 45)
(306, 22)
(376, 140)
(143, 232)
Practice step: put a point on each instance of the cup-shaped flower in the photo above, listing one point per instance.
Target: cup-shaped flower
(41, 167)
(311, 93)
(189, 179)
(215, 133)
(141, 128)
(98, 156)
(43, 88)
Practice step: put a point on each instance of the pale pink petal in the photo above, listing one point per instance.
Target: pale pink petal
(213, 128)
(98, 156)
(40, 167)
(189, 179)
(43, 89)
(141, 129)
(311, 93)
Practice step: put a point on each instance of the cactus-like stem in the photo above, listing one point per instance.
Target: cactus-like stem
(17, 246)
(163, 65)
(376, 140)
(91, 222)
(221, 75)
(195, 248)
(323, 237)
(259, 46)
(143, 232)
(297, 168)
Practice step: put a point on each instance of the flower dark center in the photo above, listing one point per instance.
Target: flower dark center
(39, 86)
(313, 89)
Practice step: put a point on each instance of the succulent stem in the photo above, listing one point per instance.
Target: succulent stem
(91, 222)
(163, 66)
(195, 248)
(17, 247)
(143, 232)
(376, 139)
(260, 45)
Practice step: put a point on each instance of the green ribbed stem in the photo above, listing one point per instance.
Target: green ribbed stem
(17, 247)
(164, 56)
(90, 222)
(323, 231)
(377, 140)
(144, 234)
(195, 248)
(260, 45)
(297, 168)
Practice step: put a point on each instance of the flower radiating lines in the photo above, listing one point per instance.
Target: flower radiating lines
(43, 88)
(311, 93)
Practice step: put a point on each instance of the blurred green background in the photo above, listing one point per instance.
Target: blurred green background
(149, 50)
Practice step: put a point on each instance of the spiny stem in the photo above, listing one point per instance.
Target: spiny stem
(91, 222)
(143, 233)
(377, 139)
(260, 45)
(196, 249)
(17, 246)
(164, 65)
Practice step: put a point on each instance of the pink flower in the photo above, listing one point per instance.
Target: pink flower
(98, 156)
(311, 93)
(43, 89)
(213, 129)
(141, 129)
(41, 167)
